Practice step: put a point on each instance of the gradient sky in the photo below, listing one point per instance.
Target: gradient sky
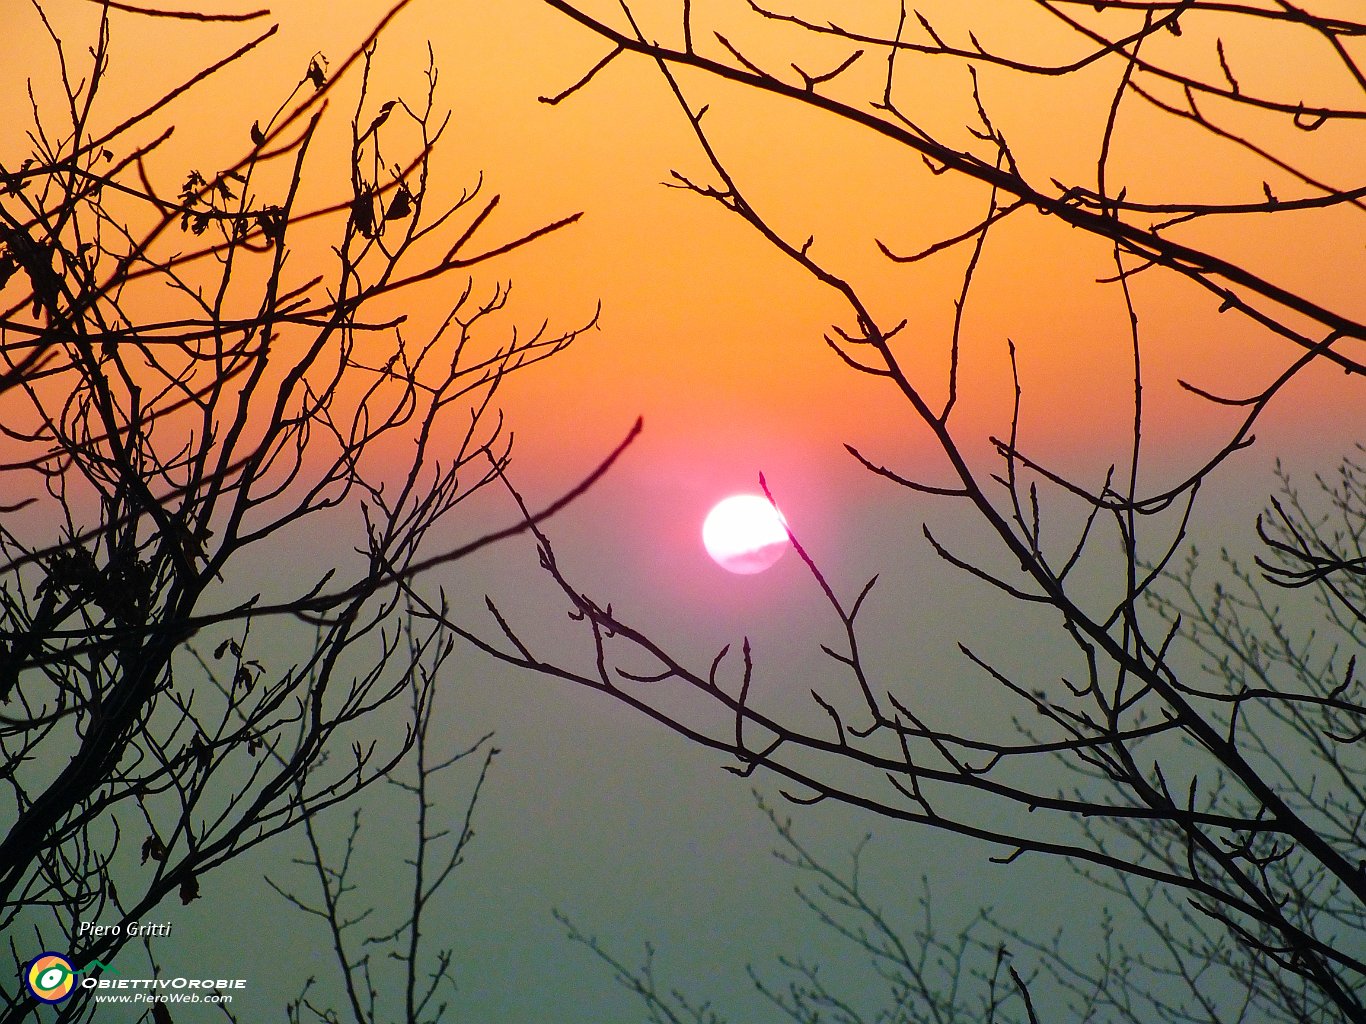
(717, 344)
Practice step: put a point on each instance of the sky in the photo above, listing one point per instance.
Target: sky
(717, 343)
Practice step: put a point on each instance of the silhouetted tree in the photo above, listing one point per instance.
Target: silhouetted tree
(1177, 789)
(385, 968)
(199, 381)
(1156, 959)
(916, 974)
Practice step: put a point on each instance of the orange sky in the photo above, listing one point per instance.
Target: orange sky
(713, 337)
(704, 330)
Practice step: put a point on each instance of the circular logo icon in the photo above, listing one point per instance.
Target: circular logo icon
(50, 977)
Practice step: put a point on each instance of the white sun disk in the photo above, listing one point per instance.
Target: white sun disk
(744, 534)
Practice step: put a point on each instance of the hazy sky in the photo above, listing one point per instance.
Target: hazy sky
(717, 344)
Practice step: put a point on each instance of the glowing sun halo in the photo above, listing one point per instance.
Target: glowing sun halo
(744, 534)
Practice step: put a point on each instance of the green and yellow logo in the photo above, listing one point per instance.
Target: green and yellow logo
(50, 977)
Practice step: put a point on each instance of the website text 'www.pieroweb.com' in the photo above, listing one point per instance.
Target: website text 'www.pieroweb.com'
(145, 991)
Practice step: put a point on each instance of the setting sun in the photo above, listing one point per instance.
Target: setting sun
(744, 534)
